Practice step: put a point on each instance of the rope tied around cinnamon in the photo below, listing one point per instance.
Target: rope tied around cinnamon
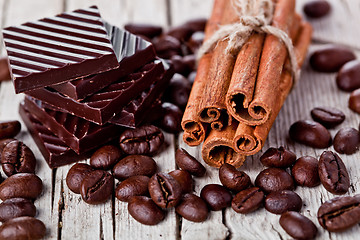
(254, 16)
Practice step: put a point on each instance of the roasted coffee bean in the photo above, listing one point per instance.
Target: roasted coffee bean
(97, 187)
(347, 141)
(147, 30)
(105, 157)
(167, 46)
(195, 41)
(145, 211)
(316, 8)
(9, 129)
(17, 158)
(4, 69)
(354, 101)
(340, 213)
(16, 207)
(348, 78)
(278, 157)
(233, 179)
(216, 196)
(178, 91)
(305, 171)
(188, 163)
(298, 226)
(184, 179)
(310, 133)
(21, 185)
(248, 200)
(192, 77)
(23, 228)
(171, 120)
(181, 32)
(133, 186)
(3, 143)
(76, 175)
(328, 117)
(274, 179)
(330, 58)
(181, 65)
(164, 190)
(134, 165)
(333, 174)
(192, 208)
(283, 201)
(145, 140)
(196, 24)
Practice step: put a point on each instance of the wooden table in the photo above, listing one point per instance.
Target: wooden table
(67, 217)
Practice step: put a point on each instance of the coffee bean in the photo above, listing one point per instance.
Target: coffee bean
(9, 129)
(178, 91)
(196, 24)
(274, 179)
(181, 32)
(76, 175)
(278, 157)
(145, 140)
(305, 171)
(316, 8)
(16, 207)
(310, 133)
(354, 101)
(17, 158)
(327, 116)
(133, 186)
(216, 196)
(164, 190)
(283, 201)
(181, 65)
(134, 165)
(23, 228)
(192, 77)
(340, 213)
(192, 208)
(330, 58)
(171, 120)
(145, 211)
(147, 30)
(3, 143)
(333, 174)
(188, 163)
(105, 157)
(347, 141)
(298, 226)
(97, 187)
(4, 69)
(248, 200)
(23, 185)
(195, 41)
(184, 179)
(233, 179)
(348, 78)
(167, 46)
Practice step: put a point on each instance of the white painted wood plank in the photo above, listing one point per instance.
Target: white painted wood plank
(182, 11)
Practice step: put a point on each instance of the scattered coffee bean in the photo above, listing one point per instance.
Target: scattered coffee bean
(298, 226)
(310, 133)
(105, 157)
(134, 165)
(9, 129)
(3, 143)
(283, 201)
(195, 41)
(233, 179)
(17, 158)
(22, 228)
(278, 157)
(327, 116)
(178, 91)
(167, 46)
(216, 196)
(76, 175)
(192, 77)
(305, 171)
(181, 32)
(348, 78)
(192, 208)
(16, 207)
(181, 66)
(340, 213)
(347, 141)
(330, 58)
(274, 179)
(147, 30)
(316, 8)
(97, 187)
(145, 211)
(196, 24)
(184, 179)
(164, 190)
(248, 200)
(133, 186)
(333, 174)
(21, 185)
(354, 101)
(188, 163)
(145, 140)
(171, 120)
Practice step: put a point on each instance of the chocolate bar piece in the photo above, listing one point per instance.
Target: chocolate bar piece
(106, 103)
(79, 134)
(58, 49)
(132, 52)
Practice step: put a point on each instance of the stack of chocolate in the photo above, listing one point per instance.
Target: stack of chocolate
(84, 80)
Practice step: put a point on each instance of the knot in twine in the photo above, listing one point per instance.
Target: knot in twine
(254, 16)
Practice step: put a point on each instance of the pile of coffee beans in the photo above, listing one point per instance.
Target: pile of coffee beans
(19, 191)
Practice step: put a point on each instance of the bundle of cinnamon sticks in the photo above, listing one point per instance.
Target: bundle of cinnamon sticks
(236, 97)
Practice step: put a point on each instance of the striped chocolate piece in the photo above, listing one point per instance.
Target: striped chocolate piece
(58, 49)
